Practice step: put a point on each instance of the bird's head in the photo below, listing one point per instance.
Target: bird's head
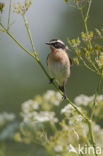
(56, 44)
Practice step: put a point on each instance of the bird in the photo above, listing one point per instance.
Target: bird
(59, 63)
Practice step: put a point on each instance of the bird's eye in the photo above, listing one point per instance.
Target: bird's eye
(55, 45)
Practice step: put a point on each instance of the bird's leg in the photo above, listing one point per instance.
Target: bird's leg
(62, 88)
(51, 80)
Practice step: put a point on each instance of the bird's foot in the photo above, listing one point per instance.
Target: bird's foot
(64, 97)
(51, 80)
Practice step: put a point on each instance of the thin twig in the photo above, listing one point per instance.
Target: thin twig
(8, 26)
(28, 30)
(95, 97)
(88, 11)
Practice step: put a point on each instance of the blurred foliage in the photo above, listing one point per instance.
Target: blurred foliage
(88, 51)
(22, 8)
(58, 132)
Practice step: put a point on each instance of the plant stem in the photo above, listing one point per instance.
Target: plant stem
(91, 136)
(95, 97)
(9, 15)
(87, 15)
(28, 30)
(89, 121)
(85, 24)
(86, 65)
(86, 28)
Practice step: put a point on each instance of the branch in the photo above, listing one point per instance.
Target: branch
(88, 11)
(95, 97)
(28, 31)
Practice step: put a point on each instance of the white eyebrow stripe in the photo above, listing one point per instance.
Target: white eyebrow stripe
(53, 41)
(58, 41)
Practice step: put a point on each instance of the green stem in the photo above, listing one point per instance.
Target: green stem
(86, 28)
(28, 30)
(86, 65)
(85, 24)
(92, 63)
(91, 136)
(88, 11)
(9, 15)
(95, 97)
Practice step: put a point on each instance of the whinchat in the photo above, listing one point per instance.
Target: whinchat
(59, 63)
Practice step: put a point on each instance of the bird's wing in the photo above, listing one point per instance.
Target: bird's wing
(71, 62)
(47, 60)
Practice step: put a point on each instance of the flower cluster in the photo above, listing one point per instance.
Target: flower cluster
(7, 125)
(87, 37)
(22, 8)
(88, 51)
(75, 42)
(34, 110)
(99, 60)
(6, 117)
(77, 3)
(83, 100)
(99, 33)
(40, 125)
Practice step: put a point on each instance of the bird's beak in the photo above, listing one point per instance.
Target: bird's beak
(48, 43)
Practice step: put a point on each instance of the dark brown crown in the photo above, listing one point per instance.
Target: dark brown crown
(57, 43)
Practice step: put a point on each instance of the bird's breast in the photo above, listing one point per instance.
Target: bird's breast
(59, 65)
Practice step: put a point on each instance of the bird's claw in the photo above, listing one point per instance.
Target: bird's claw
(64, 97)
(51, 80)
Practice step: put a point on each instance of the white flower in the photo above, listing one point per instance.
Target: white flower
(99, 97)
(59, 96)
(83, 99)
(58, 148)
(67, 109)
(42, 116)
(29, 106)
(49, 94)
(96, 128)
(9, 131)
(53, 97)
(85, 129)
(78, 118)
(45, 116)
(6, 117)
(56, 102)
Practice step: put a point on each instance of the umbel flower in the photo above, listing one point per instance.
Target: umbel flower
(40, 108)
(6, 117)
(22, 8)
